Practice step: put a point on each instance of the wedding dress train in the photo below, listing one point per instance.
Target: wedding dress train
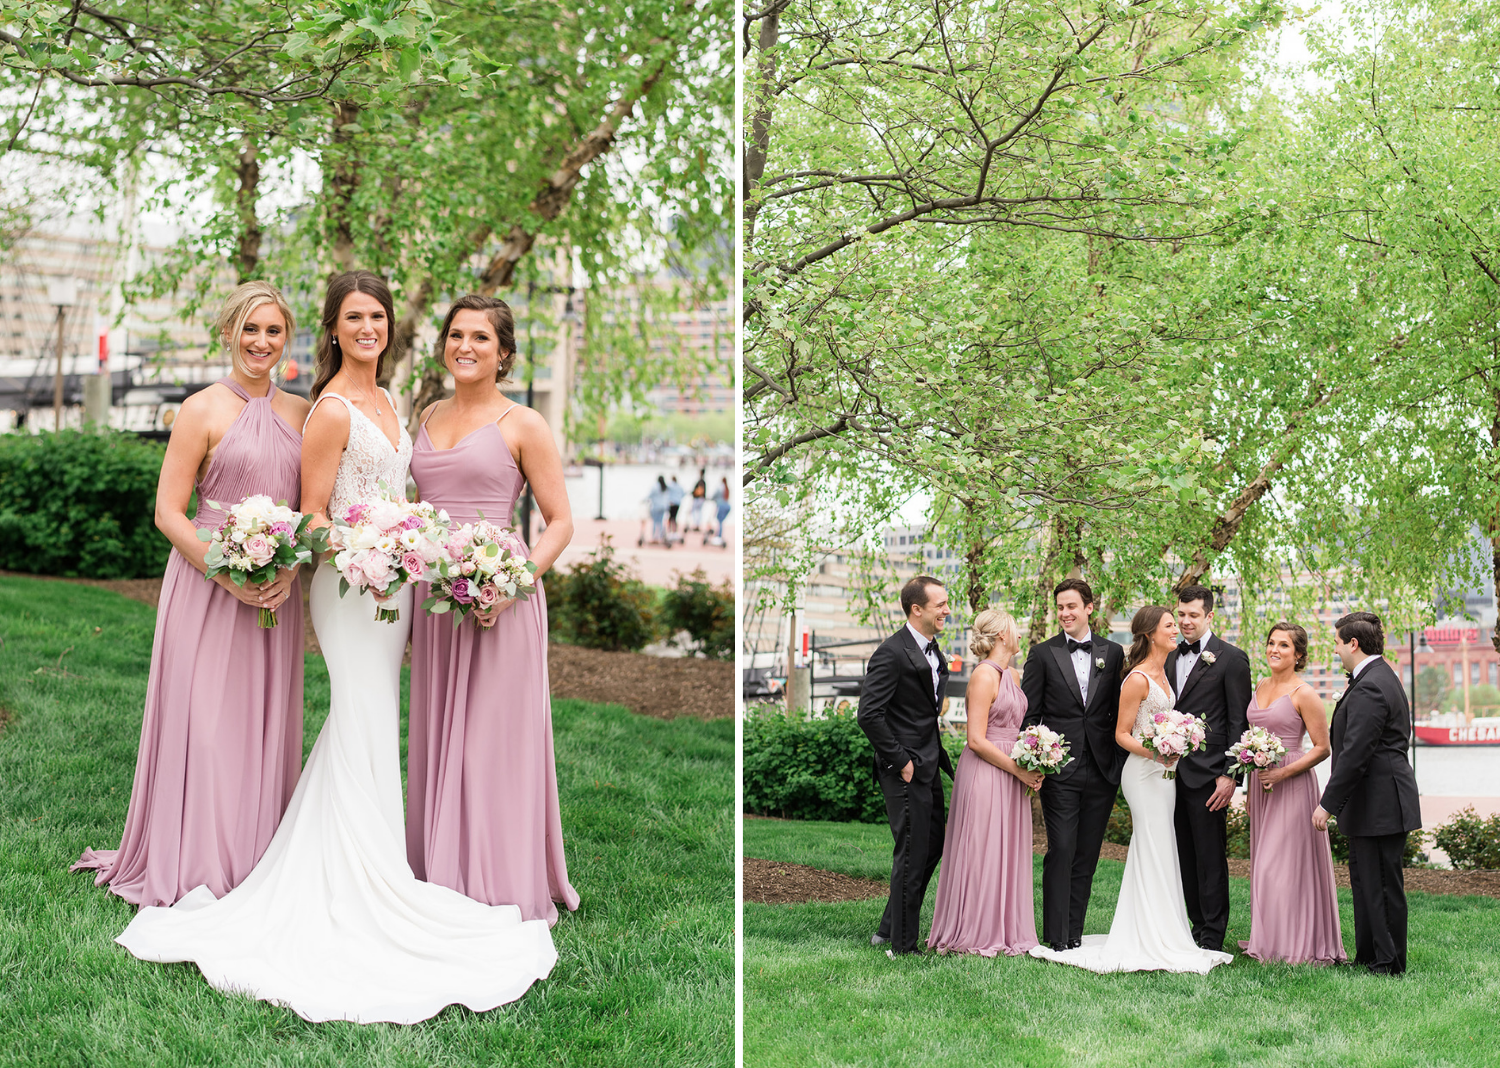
(331, 923)
(1150, 931)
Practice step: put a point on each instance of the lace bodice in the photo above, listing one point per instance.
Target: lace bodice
(1157, 700)
(368, 462)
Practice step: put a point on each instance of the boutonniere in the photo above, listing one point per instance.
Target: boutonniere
(1339, 696)
(1207, 657)
(1099, 662)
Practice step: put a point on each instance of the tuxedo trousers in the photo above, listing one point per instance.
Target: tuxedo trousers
(918, 820)
(1378, 886)
(1076, 811)
(1201, 854)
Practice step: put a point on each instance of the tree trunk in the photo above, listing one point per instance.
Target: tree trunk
(1042, 600)
(1494, 525)
(247, 171)
(760, 122)
(342, 184)
(1227, 525)
(549, 203)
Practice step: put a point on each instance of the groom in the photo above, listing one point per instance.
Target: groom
(1211, 680)
(1373, 791)
(1072, 684)
(898, 710)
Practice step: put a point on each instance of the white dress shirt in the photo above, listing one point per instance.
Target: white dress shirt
(932, 658)
(1360, 667)
(1186, 661)
(1081, 659)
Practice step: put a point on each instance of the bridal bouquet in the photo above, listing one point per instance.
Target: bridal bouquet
(385, 544)
(1042, 749)
(1173, 734)
(480, 564)
(1257, 748)
(258, 538)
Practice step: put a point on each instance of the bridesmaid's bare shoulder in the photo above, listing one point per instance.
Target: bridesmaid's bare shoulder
(292, 408)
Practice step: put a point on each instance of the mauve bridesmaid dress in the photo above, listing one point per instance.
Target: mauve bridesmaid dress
(984, 897)
(481, 787)
(221, 738)
(1294, 908)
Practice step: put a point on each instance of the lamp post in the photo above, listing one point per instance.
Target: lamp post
(63, 294)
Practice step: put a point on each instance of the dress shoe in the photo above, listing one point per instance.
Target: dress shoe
(1075, 943)
(1057, 947)
(878, 939)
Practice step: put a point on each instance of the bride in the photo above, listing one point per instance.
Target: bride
(1150, 931)
(331, 923)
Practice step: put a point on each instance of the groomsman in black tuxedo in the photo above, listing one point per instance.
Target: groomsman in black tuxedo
(1072, 684)
(898, 710)
(1372, 791)
(1211, 680)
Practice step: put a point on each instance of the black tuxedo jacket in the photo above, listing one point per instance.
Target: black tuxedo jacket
(898, 712)
(1372, 789)
(1219, 695)
(1052, 698)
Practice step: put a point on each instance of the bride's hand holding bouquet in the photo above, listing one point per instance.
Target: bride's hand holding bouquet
(385, 545)
(1171, 735)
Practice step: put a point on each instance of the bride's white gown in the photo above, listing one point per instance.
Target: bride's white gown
(1150, 931)
(332, 923)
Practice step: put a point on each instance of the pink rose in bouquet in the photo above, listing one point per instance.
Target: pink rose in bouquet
(258, 538)
(1173, 735)
(482, 565)
(382, 545)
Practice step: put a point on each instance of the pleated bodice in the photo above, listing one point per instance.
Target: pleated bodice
(259, 453)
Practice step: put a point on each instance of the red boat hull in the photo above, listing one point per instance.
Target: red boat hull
(1458, 735)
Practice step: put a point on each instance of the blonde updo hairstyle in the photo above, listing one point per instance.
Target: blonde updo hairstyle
(238, 307)
(988, 628)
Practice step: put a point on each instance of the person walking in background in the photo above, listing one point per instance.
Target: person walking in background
(1294, 907)
(1372, 791)
(699, 495)
(984, 902)
(721, 505)
(656, 507)
(221, 738)
(1072, 684)
(898, 710)
(675, 493)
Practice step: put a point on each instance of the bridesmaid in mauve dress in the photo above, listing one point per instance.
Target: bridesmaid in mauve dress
(221, 738)
(1294, 909)
(984, 897)
(482, 814)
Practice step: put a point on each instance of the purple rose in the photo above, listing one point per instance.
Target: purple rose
(356, 514)
(281, 528)
(463, 591)
(411, 522)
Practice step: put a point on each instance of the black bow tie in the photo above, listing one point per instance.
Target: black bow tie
(1073, 646)
(1188, 647)
(1349, 677)
(931, 647)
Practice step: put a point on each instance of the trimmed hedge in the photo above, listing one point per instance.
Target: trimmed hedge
(80, 504)
(801, 768)
(1472, 843)
(706, 612)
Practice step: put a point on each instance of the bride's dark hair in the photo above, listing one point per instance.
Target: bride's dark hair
(1142, 626)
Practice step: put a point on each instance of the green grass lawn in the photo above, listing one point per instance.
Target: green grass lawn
(645, 969)
(817, 994)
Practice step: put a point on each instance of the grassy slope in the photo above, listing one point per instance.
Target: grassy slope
(817, 994)
(645, 969)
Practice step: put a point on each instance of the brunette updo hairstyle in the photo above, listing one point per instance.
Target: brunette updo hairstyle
(1299, 641)
(329, 360)
(501, 321)
(988, 628)
(1142, 626)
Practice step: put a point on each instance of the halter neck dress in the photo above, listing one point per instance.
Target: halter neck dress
(482, 814)
(1294, 908)
(984, 897)
(221, 737)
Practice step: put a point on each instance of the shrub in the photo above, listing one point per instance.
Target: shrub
(599, 604)
(1120, 827)
(1472, 843)
(80, 504)
(801, 768)
(705, 612)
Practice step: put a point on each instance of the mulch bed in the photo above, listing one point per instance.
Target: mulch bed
(663, 687)
(781, 884)
(770, 882)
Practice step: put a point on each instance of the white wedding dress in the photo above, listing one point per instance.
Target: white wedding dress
(332, 923)
(1150, 931)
